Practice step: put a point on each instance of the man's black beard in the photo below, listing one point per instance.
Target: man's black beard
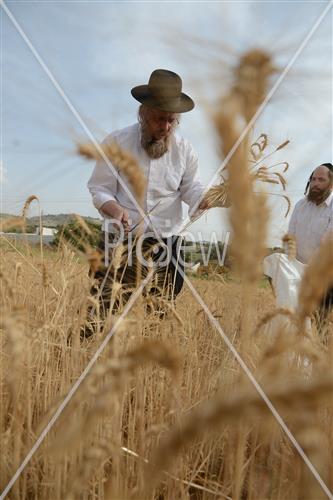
(319, 197)
(155, 148)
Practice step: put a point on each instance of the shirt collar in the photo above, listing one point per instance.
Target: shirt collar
(327, 202)
(329, 199)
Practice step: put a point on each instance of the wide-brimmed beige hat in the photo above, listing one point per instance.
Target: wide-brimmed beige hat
(164, 92)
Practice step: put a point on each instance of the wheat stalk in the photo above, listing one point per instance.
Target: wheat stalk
(219, 196)
(121, 159)
(289, 244)
(214, 413)
(316, 281)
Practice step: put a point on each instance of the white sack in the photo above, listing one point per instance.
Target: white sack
(286, 277)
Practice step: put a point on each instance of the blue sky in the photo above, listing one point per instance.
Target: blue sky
(98, 51)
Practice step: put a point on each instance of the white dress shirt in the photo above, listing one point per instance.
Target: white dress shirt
(309, 224)
(171, 179)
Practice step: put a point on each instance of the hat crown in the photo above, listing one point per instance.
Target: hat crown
(165, 83)
(164, 92)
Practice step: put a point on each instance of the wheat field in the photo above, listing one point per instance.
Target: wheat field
(166, 411)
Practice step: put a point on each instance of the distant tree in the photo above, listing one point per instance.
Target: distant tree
(18, 229)
(78, 236)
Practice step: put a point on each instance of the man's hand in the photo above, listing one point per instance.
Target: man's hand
(115, 211)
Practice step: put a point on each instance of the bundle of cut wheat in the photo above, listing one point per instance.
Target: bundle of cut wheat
(218, 196)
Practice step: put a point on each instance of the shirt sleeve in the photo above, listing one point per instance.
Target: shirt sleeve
(191, 187)
(103, 182)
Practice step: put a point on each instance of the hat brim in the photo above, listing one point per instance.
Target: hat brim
(180, 104)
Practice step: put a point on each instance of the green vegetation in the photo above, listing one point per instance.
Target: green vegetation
(78, 236)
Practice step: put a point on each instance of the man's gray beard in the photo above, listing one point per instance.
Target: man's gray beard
(155, 148)
(319, 197)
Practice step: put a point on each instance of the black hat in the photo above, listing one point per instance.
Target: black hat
(164, 92)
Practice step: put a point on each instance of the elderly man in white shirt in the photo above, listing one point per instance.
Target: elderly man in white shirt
(168, 161)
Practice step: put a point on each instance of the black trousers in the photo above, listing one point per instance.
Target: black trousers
(168, 259)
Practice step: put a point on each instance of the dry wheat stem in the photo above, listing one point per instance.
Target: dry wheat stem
(216, 412)
(175, 478)
(278, 311)
(27, 261)
(316, 280)
(122, 160)
(73, 389)
(289, 242)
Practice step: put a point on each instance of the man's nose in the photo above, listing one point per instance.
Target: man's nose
(166, 126)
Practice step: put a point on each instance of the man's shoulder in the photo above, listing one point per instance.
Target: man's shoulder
(183, 144)
(122, 135)
(304, 202)
(300, 203)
